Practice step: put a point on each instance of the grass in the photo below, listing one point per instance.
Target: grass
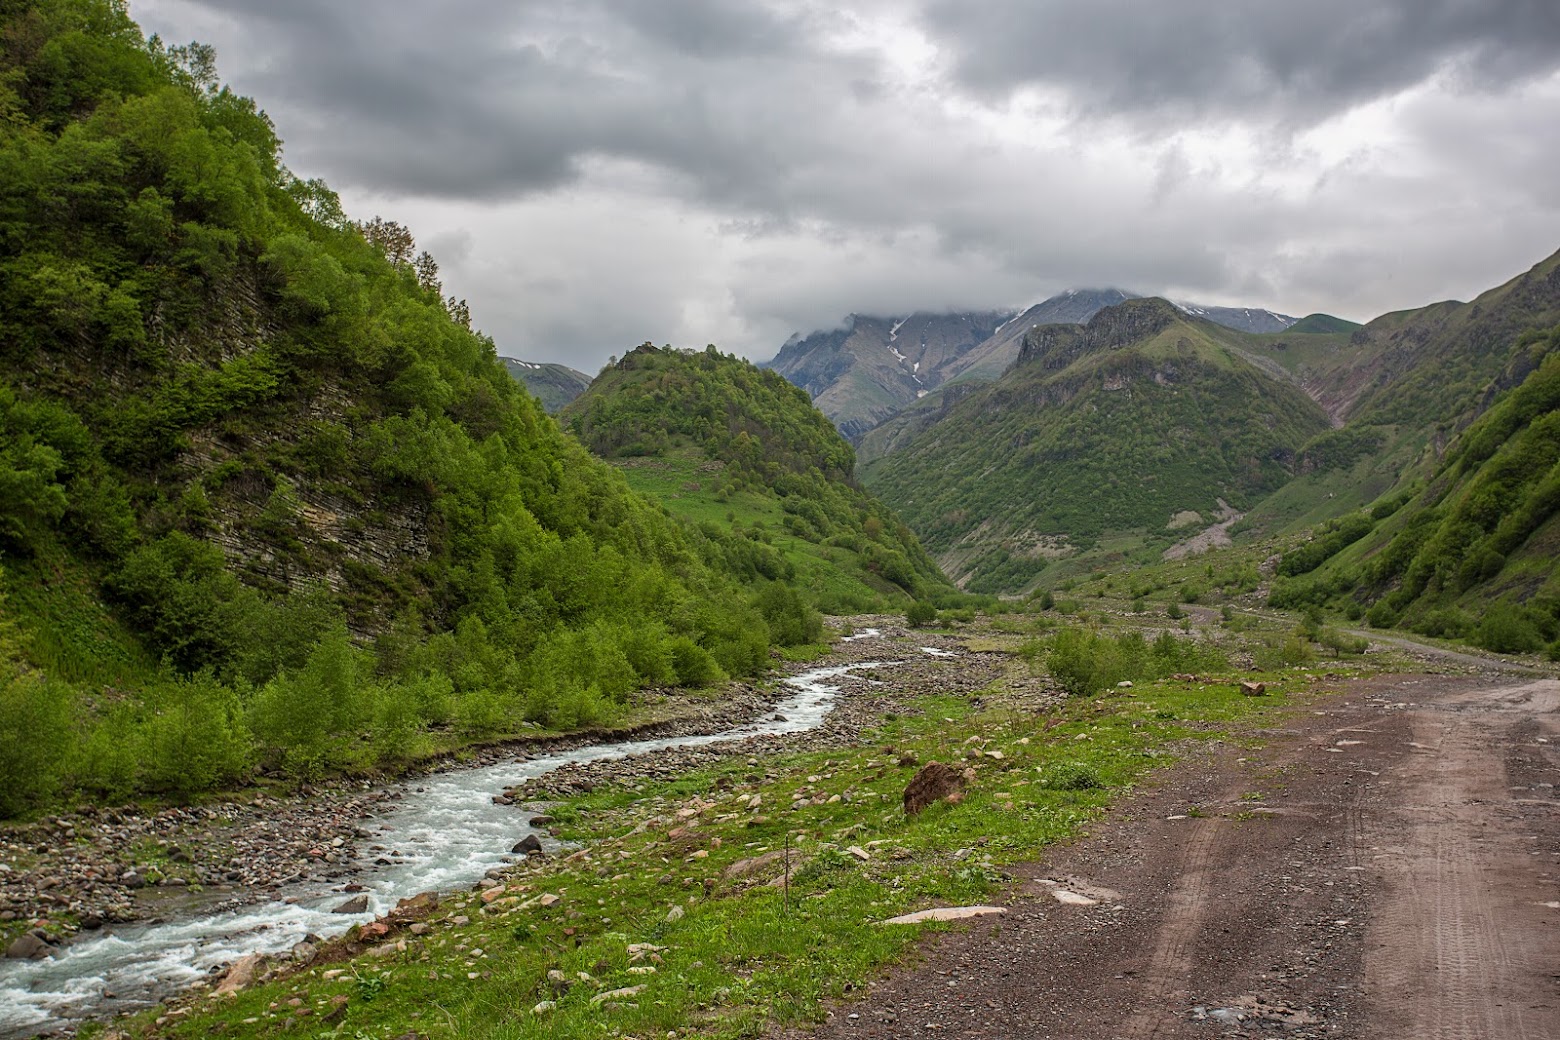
(652, 898)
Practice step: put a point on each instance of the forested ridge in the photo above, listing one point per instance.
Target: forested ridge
(757, 438)
(267, 502)
(1472, 553)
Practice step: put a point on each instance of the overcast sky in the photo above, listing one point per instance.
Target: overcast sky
(592, 174)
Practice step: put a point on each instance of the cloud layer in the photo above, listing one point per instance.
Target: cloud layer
(594, 173)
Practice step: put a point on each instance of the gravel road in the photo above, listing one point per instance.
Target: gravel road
(1385, 865)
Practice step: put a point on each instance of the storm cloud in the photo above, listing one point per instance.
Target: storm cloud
(596, 173)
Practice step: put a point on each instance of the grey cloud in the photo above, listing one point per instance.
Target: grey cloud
(691, 171)
(1298, 62)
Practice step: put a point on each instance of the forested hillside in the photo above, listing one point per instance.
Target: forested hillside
(266, 501)
(743, 454)
(1476, 553)
(1105, 438)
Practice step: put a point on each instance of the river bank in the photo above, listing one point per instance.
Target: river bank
(79, 871)
(285, 856)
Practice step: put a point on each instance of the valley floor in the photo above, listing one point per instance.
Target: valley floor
(1386, 864)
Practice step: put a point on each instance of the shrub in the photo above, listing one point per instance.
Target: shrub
(35, 733)
(1071, 776)
(1342, 642)
(1506, 629)
(195, 738)
(920, 613)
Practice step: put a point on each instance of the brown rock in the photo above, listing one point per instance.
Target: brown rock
(241, 974)
(1253, 689)
(28, 947)
(358, 904)
(934, 783)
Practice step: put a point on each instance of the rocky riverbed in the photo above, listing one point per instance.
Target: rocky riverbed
(83, 870)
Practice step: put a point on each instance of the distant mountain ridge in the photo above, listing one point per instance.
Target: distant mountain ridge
(1123, 430)
(552, 384)
(874, 367)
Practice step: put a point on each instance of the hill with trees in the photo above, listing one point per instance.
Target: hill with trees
(1108, 438)
(1475, 553)
(743, 454)
(267, 502)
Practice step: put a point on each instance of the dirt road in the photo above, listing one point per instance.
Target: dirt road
(1387, 865)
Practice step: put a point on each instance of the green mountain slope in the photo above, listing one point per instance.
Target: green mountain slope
(264, 503)
(1475, 554)
(743, 454)
(1400, 388)
(553, 385)
(1323, 323)
(1103, 439)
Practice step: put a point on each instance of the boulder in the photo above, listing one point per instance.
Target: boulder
(933, 783)
(1253, 689)
(358, 904)
(527, 845)
(241, 974)
(29, 946)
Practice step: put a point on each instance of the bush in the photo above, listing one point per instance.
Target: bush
(792, 622)
(1342, 642)
(693, 664)
(1506, 629)
(35, 734)
(1293, 652)
(1071, 776)
(195, 738)
(306, 719)
(920, 613)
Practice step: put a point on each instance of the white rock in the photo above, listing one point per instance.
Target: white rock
(945, 913)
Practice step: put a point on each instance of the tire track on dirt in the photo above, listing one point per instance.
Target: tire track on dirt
(1452, 952)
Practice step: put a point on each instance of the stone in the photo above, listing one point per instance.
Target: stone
(28, 947)
(675, 914)
(859, 852)
(945, 913)
(358, 904)
(618, 994)
(420, 902)
(933, 783)
(527, 845)
(540, 821)
(1253, 689)
(241, 974)
(493, 893)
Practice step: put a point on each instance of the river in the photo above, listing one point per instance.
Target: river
(444, 832)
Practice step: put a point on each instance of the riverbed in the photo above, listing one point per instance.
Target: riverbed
(438, 832)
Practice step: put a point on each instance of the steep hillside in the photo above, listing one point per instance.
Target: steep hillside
(553, 385)
(1400, 388)
(1486, 529)
(265, 500)
(988, 360)
(744, 454)
(863, 373)
(1112, 437)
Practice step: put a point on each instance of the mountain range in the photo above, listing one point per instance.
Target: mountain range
(864, 372)
(552, 384)
(1113, 439)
